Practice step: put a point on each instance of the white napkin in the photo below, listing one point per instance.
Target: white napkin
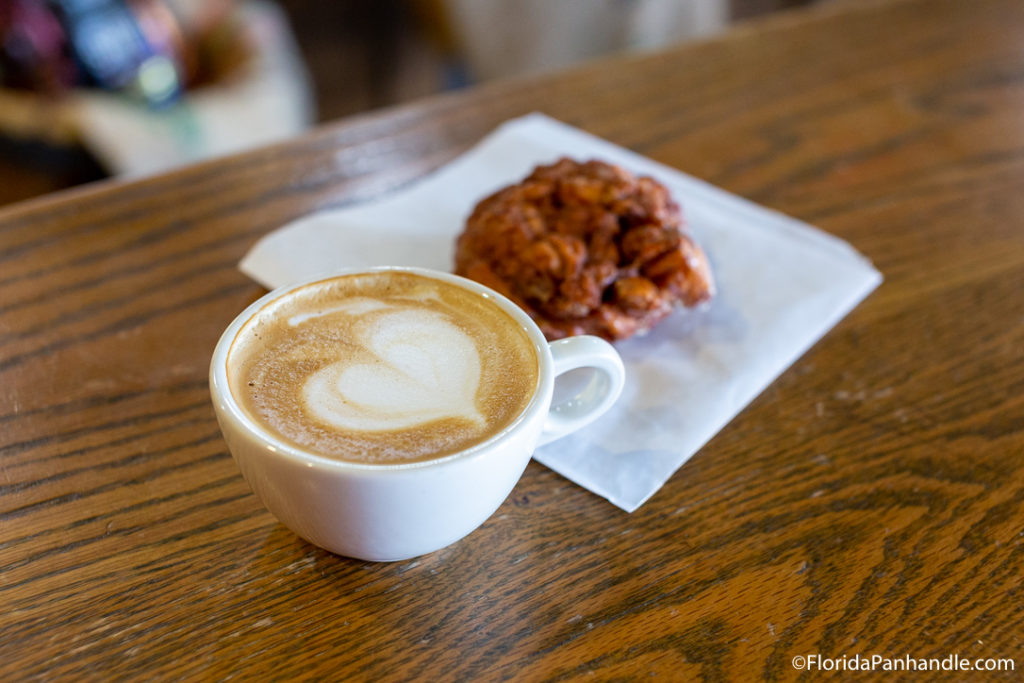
(781, 285)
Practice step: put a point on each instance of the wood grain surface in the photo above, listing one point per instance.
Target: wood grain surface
(870, 501)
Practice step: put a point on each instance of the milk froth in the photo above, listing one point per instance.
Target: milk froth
(383, 368)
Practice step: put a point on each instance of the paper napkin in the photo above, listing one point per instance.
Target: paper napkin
(782, 284)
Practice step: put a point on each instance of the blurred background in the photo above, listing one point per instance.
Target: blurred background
(97, 88)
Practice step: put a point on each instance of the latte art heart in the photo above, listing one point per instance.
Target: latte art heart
(424, 369)
(383, 368)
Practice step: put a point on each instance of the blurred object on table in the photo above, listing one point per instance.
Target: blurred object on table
(142, 48)
(150, 84)
(224, 75)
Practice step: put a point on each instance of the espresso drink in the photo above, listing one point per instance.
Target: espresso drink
(385, 367)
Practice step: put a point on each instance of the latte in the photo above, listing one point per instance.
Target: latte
(382, 368)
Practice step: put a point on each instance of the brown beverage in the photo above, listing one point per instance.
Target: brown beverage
(383, 368)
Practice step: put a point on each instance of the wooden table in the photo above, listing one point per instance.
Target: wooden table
(869, 502)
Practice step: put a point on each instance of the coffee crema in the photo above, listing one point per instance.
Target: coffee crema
(384, 367)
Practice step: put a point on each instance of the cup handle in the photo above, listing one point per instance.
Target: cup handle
(599, 393)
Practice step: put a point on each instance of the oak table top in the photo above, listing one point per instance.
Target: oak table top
(869, 502)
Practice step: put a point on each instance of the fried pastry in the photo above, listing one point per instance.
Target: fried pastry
(585, 248)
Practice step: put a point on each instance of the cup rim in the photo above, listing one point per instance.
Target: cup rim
(228, 406)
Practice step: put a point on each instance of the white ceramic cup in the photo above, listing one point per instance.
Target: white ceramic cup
(394, 512)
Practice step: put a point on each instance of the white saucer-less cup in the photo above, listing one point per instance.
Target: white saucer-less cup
(394, 512)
